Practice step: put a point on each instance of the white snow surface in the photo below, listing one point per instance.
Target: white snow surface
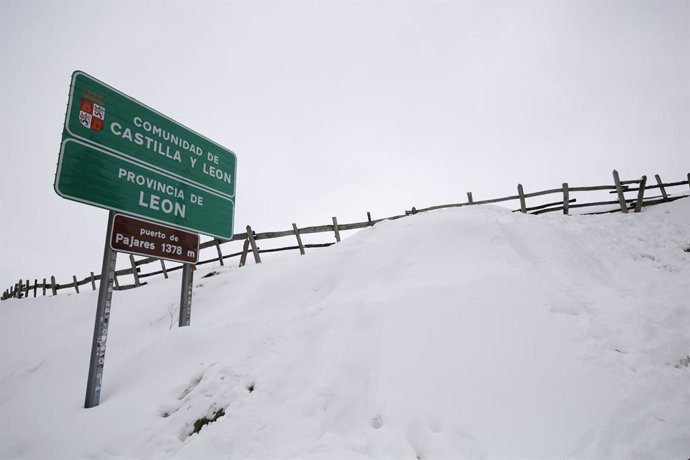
(472, 333)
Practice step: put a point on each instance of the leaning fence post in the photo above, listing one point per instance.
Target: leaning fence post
(93, 281)
(53, 287)
(566, 198)
(165, 271)
(245, 251)
(469, 198)
(76, 285)
(521, 193)
(299, 238)
(640, 194)
(135, 273)
(619, 191)
(369, 218)
(252, 242)
(220, 253)
(336, 230)
(661, 187)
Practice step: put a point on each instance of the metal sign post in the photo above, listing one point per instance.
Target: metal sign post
(186, 295)
(100, 329)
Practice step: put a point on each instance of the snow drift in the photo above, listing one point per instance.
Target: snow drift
(472, 333)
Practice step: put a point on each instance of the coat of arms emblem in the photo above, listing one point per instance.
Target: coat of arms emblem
(91, 114)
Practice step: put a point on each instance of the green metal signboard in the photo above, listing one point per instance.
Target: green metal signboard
(95, 176)
(119, 154)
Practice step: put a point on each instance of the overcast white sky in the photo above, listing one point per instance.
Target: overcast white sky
(338, 108)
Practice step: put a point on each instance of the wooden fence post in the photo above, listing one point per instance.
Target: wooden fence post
(299, 238)
(245, 251)
(76, 286)
(566, 199)
(20, 288)
(35, 286)
(26, 288)
(521, 193)
(44, 287)
(336, 230)
(619, 191)
(252, 242)
(369, 218)
(640, 193)
(661, 187)
(93, 281)
(220, 253)
(53, 287)
(165, 271)
(469, 198)
(135, 274)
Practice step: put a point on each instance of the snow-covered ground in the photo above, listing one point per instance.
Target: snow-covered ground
(458, 334)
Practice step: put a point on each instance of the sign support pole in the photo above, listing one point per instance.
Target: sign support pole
(186, 295)
(100, 330)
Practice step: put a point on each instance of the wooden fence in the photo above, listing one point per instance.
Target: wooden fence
(567, 202)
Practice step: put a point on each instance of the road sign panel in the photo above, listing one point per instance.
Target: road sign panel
(95, 176)
(138, 236)
(166, 165)
(103, 115)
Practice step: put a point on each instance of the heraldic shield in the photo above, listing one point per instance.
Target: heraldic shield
(91, 114)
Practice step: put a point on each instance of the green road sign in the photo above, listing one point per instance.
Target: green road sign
(95, 176)
(107, 132)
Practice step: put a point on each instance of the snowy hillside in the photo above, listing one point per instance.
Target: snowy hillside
(470, 333)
